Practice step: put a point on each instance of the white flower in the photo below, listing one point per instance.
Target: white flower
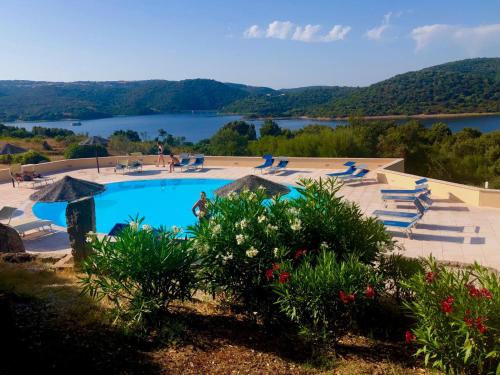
(89, 239)
(323, 246)
(147, 227)
(134, 225)
(261, 187)
(296, 225)
(276, 252)
(252, 252)
(243, 224)
(240, 239)
(293, 211)
(261, 219)
(227, 257)
(216, 229)
(252, 195)
(231, 196)
(271, 228)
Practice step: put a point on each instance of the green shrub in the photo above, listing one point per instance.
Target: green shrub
(457, 315)
(76, 151)
(30, 157)
(246, 234)
(141, 273)
(324, 297)
(394, 269)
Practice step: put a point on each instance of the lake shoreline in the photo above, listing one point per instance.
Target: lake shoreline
(260, 118)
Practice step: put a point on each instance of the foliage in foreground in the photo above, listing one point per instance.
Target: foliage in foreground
(140, 273)
(457, 318)
(246, 234)
(325, 297)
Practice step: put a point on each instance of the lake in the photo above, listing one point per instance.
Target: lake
(200, 125)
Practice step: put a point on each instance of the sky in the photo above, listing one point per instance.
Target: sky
(274, 43)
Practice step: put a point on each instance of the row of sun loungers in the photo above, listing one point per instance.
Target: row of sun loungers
(269, 166)
(184, 164)
(24, 226)
(419, 197)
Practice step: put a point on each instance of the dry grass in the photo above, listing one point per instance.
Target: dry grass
(62, 330)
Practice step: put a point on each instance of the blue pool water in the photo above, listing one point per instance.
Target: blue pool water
(160, 202)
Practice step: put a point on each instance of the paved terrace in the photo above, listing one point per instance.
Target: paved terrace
(449, 231)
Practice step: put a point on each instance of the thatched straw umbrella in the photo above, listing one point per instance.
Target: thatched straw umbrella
(80, 212)
(10, 149)
(252, 183)
(94, 141)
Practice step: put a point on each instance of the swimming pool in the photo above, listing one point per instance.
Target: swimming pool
(165, 202)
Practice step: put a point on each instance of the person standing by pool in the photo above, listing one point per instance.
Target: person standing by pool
(160, 155)
(174, 162)
(201, 205)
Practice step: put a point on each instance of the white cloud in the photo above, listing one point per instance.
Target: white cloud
(287, 30)
(279, 29)
(377, 32)
(307, 33)
(338, 32)
(253, 32)
(472, 39)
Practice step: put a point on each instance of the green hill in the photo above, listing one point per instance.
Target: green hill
(28, 100)
(463, 86)
(458, 87)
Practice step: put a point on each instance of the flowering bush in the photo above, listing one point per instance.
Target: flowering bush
(457, 316)
(324, 297)
(141, 272)
(327, 218)
(246, 234)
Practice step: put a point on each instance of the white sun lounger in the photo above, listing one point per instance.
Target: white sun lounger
(40, 225)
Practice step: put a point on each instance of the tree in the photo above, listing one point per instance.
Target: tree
(243, 128)
(131, 135)
(228, 142)
(270, 128)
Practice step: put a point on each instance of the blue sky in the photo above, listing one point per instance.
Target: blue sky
(261, 42)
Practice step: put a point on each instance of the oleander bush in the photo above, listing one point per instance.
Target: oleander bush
(325, 296)
(457, 318)
(247, 233)
(140, 273)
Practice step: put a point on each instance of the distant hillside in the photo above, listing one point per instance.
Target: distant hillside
(28, 100)
(289, 102)
(457, 87)
(463, 86)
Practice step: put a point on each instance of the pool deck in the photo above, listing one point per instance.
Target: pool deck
(450, 231)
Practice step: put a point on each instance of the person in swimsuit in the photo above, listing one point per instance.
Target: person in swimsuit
(174, 162)
(200, 208)
(160, 155)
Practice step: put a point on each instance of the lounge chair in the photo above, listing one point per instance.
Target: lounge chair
(268, 163)
(6, 213)
(37, 177)
(281, 166)
(19, 177)
(351, 167)
(199, 161)
(406, 198)
(121, 167)
(405, 225)
(360, 175)
(135, 166)
(184, 162)
(26, 226)
(421, 210)
(420, 187)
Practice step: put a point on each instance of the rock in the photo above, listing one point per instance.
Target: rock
(80, 219)
(10, 240)
(17, 257)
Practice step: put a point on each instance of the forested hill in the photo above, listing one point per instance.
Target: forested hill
(29, 100)
(463, 86)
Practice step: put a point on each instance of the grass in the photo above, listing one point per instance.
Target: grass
(60, 330)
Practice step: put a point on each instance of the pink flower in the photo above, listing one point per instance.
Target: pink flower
(346, 298)
(369, 292)
(409, 337)
(486, 293)
(269, 275)
(429, 277)
(446, 305)
(284, 277)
